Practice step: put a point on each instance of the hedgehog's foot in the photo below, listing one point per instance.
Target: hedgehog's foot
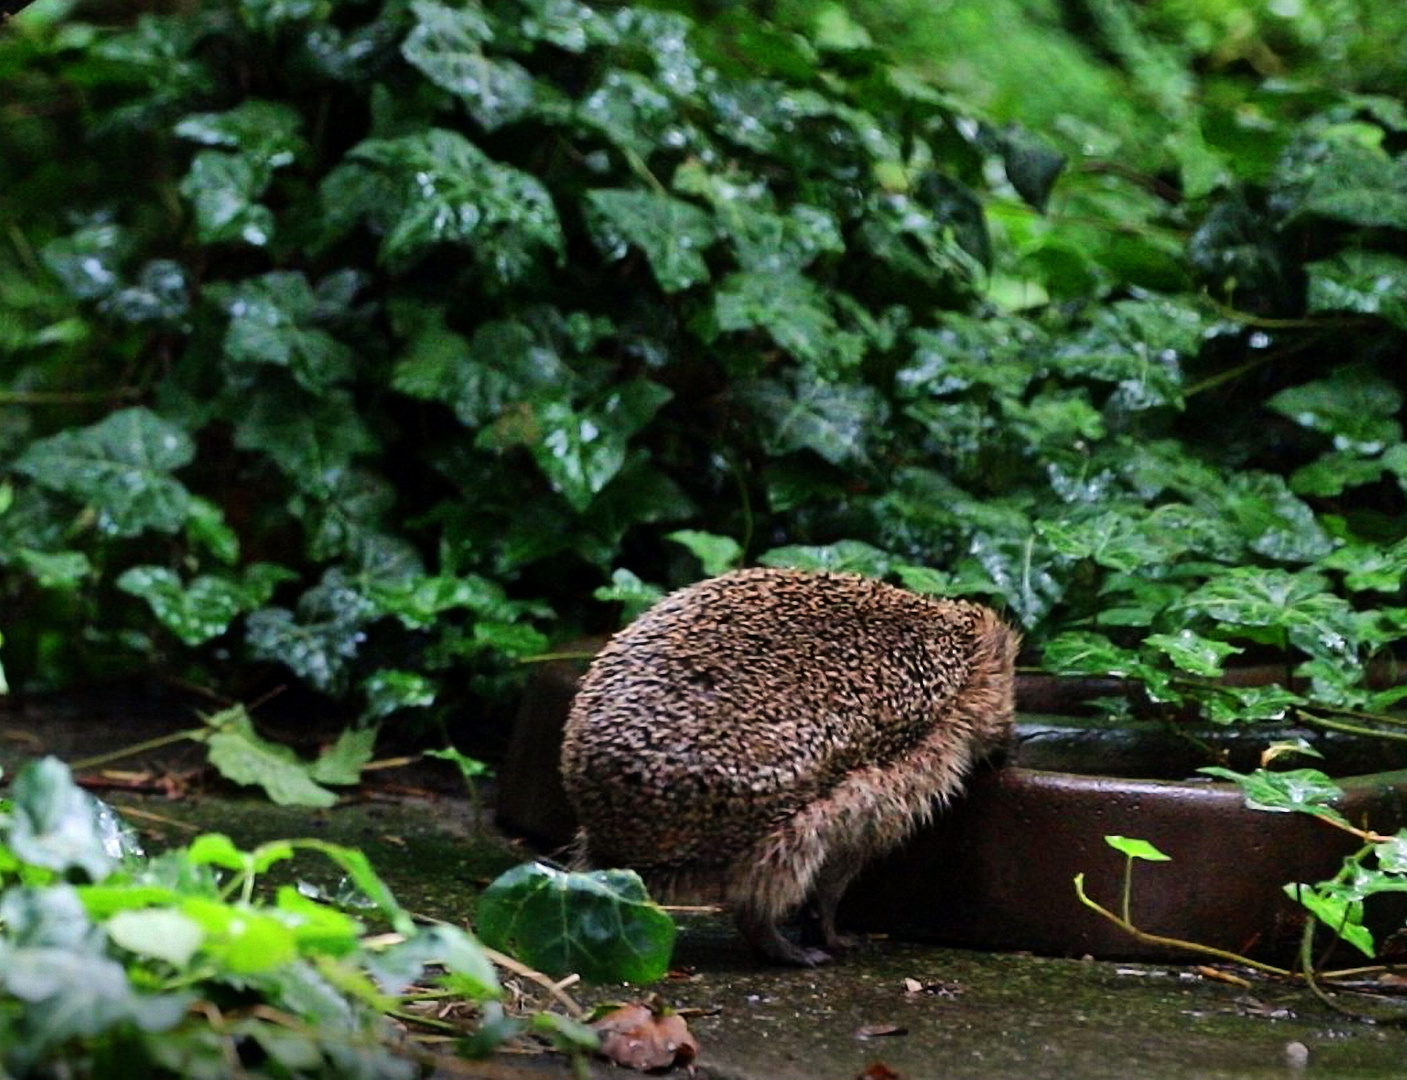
(764, 935)
(818, 930)
(818, 916)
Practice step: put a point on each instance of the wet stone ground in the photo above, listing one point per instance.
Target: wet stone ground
(973, 1014)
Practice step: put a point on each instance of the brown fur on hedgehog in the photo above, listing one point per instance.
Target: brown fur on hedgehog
(757, 737)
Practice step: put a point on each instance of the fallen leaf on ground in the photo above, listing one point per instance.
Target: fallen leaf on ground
(874, 1031)
(643, 1038)
(878, 1070)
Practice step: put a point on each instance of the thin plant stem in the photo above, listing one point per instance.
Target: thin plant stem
(194, 734)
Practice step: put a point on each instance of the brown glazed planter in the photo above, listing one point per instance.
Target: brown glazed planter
(995, 869)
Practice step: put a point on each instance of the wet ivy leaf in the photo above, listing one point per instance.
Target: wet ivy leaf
(312, 442)
(53, 960)
(672, 233)
(1392, 853)
(1348, 181)
(1363, 282)
(160, 294)
(1306, 791)
(205, 608)
(580, 451)
(629, 591)
(1334, 473)
(88, 261)
(1248, 704)
(447, 46)
(55, 569)
(600, 925)
(54, 823)
(266, 132)
(245, 757)
(502, 364)
(322, 639)
(1136, 849)
(567, 24)
(1366, 567)
(789, 307)
(1082, 652)
(1192, 652)
(829, 419)
(121, 466)
(925, 579)
(445, 190)
(273, 321)
(844, 556)
(1339, 914)
(1355, 406)
(1114, 539)
(388, 691)
(467, 968)
(717, 554)
(224, 191)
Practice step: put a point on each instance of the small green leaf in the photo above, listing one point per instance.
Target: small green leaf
(446, 45)
(1136, 849)
(1355, 406)
(1344, 917)
(601, 925)
(160, 933)
(224, 190)
(54, 823)
(629, 591)
(845, 556)
(717, 554)
(388, 691)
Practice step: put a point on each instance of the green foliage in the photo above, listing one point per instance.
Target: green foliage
(182, 964)
(601, 925)
(429, 333)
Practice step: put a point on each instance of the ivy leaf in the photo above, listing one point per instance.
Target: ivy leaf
(580, 451)
(1031, 165)
(1082, 652)
(629, 591)
(1305, 791)
(789, 307)
(54, 823)
(447, 46)
(717, 554)
(844, 556)
(1248, 704)
(601, 925)
(1355, 406)
(311, 441)
(672, 233)
(1340, 914)
(1114, 539)
(244, 757)
(1368, 568)
(272, 321)
(266, 132)
(1192, 652)
(121, 467)
(1136, 849)
(388, 691)
(205, 608)
(343, 761)
(805, 413)
(445, 190)
(224, 190)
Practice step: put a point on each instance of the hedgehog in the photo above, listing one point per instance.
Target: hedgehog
(755, 738)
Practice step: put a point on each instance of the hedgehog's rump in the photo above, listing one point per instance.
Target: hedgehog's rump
(752, 729)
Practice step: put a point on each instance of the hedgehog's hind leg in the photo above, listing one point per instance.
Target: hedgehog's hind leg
(772, 880)
(818, 916)
(767, 939)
